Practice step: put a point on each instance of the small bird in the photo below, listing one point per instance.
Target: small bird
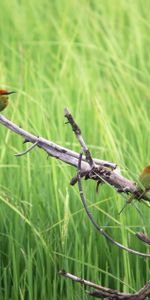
(143, 185)
(4, 98)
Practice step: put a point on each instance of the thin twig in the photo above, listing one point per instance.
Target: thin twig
(98, 227)
(78, 134)
(27, 150)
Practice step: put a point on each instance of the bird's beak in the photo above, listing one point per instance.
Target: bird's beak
(11, 93)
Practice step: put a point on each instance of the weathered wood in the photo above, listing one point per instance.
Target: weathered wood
(70, 157)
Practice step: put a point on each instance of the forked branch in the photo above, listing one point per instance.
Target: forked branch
(99, 170)
(103, 170)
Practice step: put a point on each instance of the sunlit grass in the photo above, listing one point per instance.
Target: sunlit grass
(92, 57)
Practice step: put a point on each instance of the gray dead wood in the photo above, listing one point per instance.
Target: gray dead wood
(104, 170)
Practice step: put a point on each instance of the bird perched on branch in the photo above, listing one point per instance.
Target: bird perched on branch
(4, 95)
(143, 185)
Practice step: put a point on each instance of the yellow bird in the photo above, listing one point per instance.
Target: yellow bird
(4, 95)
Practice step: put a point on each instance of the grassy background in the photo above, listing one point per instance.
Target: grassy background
(94, 58)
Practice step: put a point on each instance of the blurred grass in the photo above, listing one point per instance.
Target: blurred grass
(93, 57)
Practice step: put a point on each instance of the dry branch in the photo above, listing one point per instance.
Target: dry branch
(77, 131)
(88, 156)
(66, 155)
(99, 170)
(103, 170)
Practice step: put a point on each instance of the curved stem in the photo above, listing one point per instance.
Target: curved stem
(98, 227)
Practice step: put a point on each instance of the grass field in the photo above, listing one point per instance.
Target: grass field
(94, 58)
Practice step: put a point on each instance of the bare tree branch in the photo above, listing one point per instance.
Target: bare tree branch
(99, 170)
(103, 292)
(66, 155)
(104, 169)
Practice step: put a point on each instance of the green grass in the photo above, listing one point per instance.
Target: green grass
(93, 57)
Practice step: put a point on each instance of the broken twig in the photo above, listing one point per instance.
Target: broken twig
(27, 150)
(77, 132)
